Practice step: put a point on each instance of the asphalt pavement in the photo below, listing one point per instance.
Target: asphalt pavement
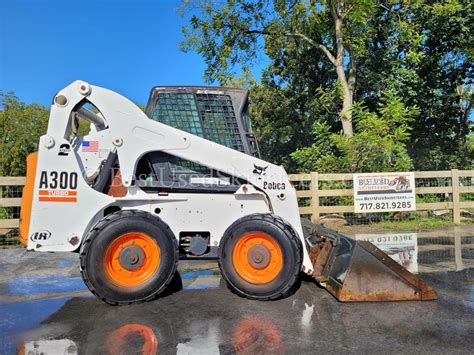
(45, 308)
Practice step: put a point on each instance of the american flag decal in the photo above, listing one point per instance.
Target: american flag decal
(90, 146)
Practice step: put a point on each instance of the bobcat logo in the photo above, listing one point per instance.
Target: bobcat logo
(259, 170)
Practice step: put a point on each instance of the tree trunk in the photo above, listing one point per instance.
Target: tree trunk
(345, 114)
(347, 81)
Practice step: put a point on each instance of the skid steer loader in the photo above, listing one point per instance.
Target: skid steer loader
(116, 196)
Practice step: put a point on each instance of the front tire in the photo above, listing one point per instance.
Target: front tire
(128, 257)
(260, 257)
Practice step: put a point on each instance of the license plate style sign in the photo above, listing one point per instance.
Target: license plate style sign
(384, 192)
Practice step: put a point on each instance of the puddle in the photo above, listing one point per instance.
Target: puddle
(17, 318)
(54, 285)
(470, 303)
(206, 318)
(49, 346)
(149, 329)
(201, 279)
(216, 321)
(428, 251)
(42, 284)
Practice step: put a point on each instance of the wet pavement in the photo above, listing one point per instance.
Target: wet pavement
(45, 308)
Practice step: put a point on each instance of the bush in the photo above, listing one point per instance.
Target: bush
(378, 144)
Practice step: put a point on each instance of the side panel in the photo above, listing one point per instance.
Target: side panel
(207, 212)
(63, 204)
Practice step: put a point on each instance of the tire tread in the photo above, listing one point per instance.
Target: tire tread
(292, 284)
(94, 232)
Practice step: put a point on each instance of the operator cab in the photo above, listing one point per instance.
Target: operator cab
(218, 114)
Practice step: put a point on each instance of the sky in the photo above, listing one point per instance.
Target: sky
(126, 46)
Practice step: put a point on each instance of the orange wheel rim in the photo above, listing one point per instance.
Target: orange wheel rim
(117, 339)
(257, 258)
(132, 259)
(269, 336)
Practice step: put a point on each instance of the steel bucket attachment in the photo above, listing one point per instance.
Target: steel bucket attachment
(359, 271)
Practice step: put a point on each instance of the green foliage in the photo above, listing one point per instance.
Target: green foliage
(379, 142)
(470, 146)
(229, 33)
(244, 80)
(422, 51)
(4, 213)
(419, 223)
(277, 123)
(429, 198)
(21, 125)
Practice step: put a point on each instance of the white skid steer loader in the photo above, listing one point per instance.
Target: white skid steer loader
(111, 196)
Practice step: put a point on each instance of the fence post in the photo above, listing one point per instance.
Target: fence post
(455, 186)
(314, 197)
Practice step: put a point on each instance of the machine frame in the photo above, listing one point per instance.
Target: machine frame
(64, 205)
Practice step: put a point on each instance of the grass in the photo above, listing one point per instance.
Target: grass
(12, 246)
(414, 224)
(8, 243)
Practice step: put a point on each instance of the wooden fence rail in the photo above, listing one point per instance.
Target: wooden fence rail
(455, 189)
(7, 224)
(314, 208)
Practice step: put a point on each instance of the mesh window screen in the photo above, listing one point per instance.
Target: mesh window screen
(218, 119)
(178, 110)
(210, 116)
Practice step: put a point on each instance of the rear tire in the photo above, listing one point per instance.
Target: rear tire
(260, 257)
(128, 257)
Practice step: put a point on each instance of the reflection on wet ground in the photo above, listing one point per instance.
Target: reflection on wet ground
(18, 317)
(46, 309)
(201, 279)
(428, 251)
(41, 284)
(216, 321)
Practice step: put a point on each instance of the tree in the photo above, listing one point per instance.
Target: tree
(229, 34)
(379, 143)
(427, 61)
(21, 125)
(421, 51)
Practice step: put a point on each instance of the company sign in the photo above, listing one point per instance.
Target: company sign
(384, 192)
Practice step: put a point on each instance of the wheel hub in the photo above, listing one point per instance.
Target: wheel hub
(259, 256)
(131, 257)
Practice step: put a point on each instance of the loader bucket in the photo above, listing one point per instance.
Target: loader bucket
(359, 271)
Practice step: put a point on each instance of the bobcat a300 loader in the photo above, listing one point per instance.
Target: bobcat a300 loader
(114, 196)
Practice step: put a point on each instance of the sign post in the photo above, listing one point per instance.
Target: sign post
(384, 192)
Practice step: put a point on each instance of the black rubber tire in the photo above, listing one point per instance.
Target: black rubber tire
(103, 233)
(286, 281)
